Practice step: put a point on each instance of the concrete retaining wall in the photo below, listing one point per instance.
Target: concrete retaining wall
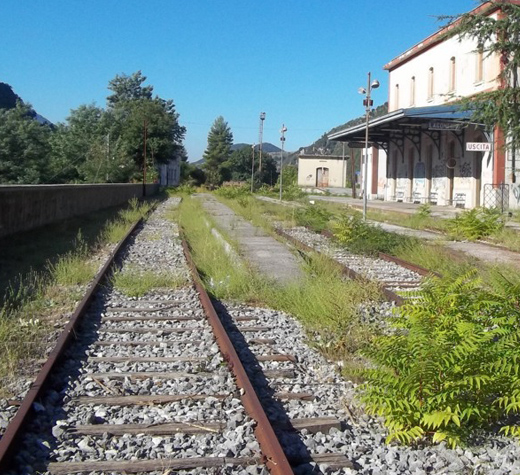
(24, 207)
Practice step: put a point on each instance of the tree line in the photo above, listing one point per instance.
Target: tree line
(94, 144)
(222, 164)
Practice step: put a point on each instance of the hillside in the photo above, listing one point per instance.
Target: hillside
(266, 147)
(326, 147)
(8, 99)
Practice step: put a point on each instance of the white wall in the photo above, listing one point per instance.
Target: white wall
(307, 170)
(439, 57)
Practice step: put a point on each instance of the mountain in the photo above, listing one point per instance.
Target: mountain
(266, 147)
(326, 147)
(8, 99)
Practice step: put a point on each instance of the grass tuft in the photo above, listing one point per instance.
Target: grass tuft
(136, 283)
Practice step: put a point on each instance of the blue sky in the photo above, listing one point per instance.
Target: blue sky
(300, 61)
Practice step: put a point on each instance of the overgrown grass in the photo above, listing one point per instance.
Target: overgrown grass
(136, 283)
(361, 237)
(73, 268)
(33, 299)
(476, 223)
(326, 304)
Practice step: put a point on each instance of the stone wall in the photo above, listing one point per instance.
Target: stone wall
(24, 207)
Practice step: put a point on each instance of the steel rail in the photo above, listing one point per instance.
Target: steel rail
(408, 265)
(346, 271)
(274, 456)
(11, 436)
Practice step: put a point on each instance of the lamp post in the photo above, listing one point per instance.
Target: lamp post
(261, 134)
(253, 168)
(367, 102)
(282, 141)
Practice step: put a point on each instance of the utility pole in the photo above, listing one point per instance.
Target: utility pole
(253, 169)
(282, 141)
(144, 160)
(261, 138)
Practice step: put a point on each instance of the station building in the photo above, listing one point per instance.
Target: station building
(434, 152)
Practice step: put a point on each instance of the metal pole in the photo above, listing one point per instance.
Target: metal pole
(262, 118)
(365, 165)
(282, 140)
(144, 164)
(253, 169)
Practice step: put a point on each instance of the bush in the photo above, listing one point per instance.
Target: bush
(315, 217)
(234, 191)
(476, 223)
(452, 365)
(361, 237)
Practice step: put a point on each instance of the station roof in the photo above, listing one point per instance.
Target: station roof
(402, 122)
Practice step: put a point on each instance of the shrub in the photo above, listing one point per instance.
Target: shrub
(315, 217)
(234, 191)
(292, 192)
(361, 237)
(452, 365)
(476, 223)
(424, 211)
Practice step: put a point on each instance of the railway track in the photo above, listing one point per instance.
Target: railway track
(395, 276)
(153, 384)
(148, 386)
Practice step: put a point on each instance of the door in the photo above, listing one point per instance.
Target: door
(322, 177)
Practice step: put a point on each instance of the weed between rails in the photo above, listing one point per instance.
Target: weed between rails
(34, 302)
(327, 305)
(135, 283)
(451, 366)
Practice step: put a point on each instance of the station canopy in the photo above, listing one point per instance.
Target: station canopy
(406, 124)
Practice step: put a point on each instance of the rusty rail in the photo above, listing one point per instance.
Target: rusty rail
(351, 274)
(408, 265)
(11, 436)
(274, 456)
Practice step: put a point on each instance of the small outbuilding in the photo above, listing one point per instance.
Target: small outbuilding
(322, 171)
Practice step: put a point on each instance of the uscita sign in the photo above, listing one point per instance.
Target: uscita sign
(478, 147)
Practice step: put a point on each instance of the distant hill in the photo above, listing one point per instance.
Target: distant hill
(7, 96)
(8, 100)
(266, 147)
(326, 147)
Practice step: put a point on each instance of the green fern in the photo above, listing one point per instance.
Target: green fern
(452, 364)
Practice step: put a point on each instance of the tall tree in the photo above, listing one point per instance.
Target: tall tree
(128, 88)
(24, 146)
(134, 108)
(107, 145)
(238, 167)
(220, 139)
(496, 36)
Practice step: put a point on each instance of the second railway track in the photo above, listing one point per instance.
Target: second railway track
(395, 276)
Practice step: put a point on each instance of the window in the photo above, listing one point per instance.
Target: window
(430, 83)
(412, 91)
(453, 74)
(396, 97)
(479, 71)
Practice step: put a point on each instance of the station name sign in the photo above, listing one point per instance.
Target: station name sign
(478, 147)
(444, 125)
